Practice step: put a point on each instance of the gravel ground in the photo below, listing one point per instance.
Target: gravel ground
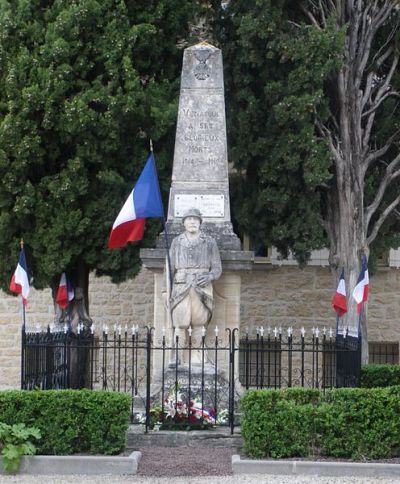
(241, 479)
(187, 465)
(185, 461)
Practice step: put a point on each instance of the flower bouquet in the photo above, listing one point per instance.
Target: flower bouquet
(176, 414)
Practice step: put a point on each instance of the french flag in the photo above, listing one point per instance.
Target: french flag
(144, 201)
(65, 292)
(339, 301)
(19, 281)
(360, 293)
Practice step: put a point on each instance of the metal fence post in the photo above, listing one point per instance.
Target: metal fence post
(23, 360)
(148, 377)
(231, 405)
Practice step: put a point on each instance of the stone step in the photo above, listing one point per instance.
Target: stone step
(212, 438)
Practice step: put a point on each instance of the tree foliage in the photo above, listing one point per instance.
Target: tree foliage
(84, 84)
(276, 71)
(313, 93)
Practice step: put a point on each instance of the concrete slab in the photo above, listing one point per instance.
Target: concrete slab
(214, 438)
(314, 468)
(78, 464)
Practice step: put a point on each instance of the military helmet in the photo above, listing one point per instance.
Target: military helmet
(192, 212)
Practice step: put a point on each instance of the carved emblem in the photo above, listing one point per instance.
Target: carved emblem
(202, 71)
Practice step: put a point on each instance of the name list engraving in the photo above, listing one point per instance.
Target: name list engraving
(209, 205)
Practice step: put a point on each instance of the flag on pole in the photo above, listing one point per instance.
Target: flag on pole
(339, 302)
(19, 281)
(360, 293)
(65, 292)
(70, 290)
(144, 201)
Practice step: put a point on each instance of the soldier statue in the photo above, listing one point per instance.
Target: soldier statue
(195, 264)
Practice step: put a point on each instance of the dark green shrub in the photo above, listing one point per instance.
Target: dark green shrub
(274, 424)
(70, 421)
(380, 375)
(301, 395)
(361, 423)
(355, 423)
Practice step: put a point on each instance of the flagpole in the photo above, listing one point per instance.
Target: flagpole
(359, 321)
(23, 333)
(168, 257)
(166, 238)
(23, 305)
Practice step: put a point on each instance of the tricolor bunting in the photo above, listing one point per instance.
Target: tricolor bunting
(143, 202)
(65, 292)
(360, 293)
(339, 301)
(20, 281)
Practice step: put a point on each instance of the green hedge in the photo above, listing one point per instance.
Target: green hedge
(380, 375)
(70, 421)
(349, 422)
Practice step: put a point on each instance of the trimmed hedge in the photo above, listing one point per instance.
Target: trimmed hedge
(70, 421)
(380, 376)
(348, 422)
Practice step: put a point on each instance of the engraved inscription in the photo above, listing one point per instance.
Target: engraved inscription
(191, 113)
(202, 137)
(209, 205)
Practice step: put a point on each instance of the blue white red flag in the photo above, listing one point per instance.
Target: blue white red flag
(20, 281)
(360, 293)
(339, 301)
(144, 201)
(65, 292)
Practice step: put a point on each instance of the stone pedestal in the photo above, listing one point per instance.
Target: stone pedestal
(226, 313)
(215, 385)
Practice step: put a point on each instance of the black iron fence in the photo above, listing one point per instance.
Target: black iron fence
(177, 380)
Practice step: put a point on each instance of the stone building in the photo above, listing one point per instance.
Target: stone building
(275, 293)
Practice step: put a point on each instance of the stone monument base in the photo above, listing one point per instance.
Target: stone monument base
(226, 314)
(206, 386)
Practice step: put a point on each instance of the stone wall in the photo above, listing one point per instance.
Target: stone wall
(287, 295)
(127, 303)
(40, 309)
(271, 295)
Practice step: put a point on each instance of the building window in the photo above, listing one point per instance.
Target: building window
(394, 258)
(260, 363)
(384, 353)
(271, 255)
(262, 253)
(317, 258)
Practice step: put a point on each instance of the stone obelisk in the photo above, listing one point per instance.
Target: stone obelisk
(200, 180)
(200, 168)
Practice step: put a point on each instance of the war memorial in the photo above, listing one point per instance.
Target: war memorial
(199, 346)
(237, 296)
(199, 186)
(204, 321)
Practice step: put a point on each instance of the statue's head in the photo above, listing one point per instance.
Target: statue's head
(192, 212)
(192, 220)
